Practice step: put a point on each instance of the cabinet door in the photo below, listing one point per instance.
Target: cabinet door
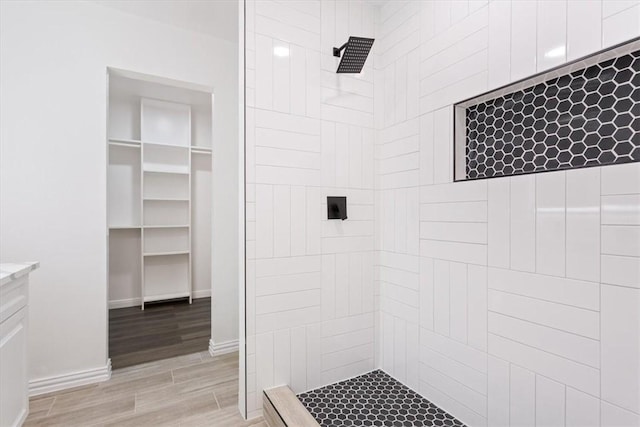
(14, 400)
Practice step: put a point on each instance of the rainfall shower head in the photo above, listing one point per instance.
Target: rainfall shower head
(355, 54)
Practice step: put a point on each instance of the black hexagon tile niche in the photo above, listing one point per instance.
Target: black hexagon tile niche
(589, 117)
(373, 399)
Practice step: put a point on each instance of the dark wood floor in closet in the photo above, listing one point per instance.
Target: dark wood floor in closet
(161, 331)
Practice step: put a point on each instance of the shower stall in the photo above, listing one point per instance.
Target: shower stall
(488, 154)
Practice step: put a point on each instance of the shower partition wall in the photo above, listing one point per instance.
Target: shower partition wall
(506, 301)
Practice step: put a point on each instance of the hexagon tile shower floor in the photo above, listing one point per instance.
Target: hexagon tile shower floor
(373, 399)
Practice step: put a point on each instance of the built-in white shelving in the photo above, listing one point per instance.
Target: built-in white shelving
(154, 132)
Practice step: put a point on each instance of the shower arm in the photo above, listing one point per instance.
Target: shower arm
(336, 51)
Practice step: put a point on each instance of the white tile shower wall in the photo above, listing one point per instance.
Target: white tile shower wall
(523, 292)
(310, 134)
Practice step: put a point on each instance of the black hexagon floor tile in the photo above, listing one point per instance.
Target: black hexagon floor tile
(373, 399)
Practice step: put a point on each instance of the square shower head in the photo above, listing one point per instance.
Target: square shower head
(356, 51)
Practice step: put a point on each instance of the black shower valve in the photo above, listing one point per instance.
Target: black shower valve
(336, 207)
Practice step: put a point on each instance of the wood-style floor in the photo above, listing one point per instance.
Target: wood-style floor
(191, 390)
(160, 331)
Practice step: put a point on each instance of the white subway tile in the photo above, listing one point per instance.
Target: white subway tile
(287, 319)
(313, 221)
(264, 362)
(399, 350)
(583, 410)
(441, 296)
(571, 346)
(620, 346)
(281, 122)
(264, 221)
(523, 222)
(621, 209)
(573, 374)
(281, 78)
(522, 397)
(458, 294)
(498, 389)
(621, 27)
(611, 415)
(454, 212)
(550, 223)
(426, 293)
(444, 401)
(473, 379)
(552, 34)
(298, 221)
(621, 179)
(556, 289)
(328, 296)
(426, 149)
(584, 28)
(571, 319)
(498, 212)
(499, 65)
(611, 7)
(346, 357)
(621, 270)
(523, 39)
(621, 240)
(465, 232)
(454, 251)
(477, 307)
(473, 400)
(264, 72)
(314, 354)
(289, 158)
(287, 283)
(454, 350)
(282, 357)
(442, 145)
(468, 191)
(281, 221)
(583, 224)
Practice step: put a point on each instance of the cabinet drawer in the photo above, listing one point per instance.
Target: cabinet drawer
(13, 297)
(14, 401)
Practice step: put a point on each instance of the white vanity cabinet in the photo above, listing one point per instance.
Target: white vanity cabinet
(14, 389)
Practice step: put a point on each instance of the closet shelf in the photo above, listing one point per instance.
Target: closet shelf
(124, 227)
(167, 226)
(166, 253)
(166, 171)
(165, 199)
(155, 298)
(136, 143)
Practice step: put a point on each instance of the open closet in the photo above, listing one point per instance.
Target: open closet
(159, 190)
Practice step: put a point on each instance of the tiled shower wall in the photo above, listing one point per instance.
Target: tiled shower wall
(310, 134)
(507, 301)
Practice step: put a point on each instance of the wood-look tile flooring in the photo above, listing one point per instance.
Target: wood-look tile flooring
(160, 331)
(191, 390)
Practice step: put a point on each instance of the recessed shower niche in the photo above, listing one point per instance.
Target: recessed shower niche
(586, 113)
(159, 190)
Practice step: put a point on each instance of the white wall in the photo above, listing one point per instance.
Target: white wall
(53, 64)
(310, 307)
(509, 301)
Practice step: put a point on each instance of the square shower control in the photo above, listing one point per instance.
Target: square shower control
(336, 208)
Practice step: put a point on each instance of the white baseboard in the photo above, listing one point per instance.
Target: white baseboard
(203, 293)
(223, 347)
(75, 379)
(134, 302)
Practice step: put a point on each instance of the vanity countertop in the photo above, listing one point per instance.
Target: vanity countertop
(12, 271)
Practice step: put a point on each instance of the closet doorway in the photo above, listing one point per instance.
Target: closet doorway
(159, 213)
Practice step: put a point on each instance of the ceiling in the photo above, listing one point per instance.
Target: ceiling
(218, 18)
